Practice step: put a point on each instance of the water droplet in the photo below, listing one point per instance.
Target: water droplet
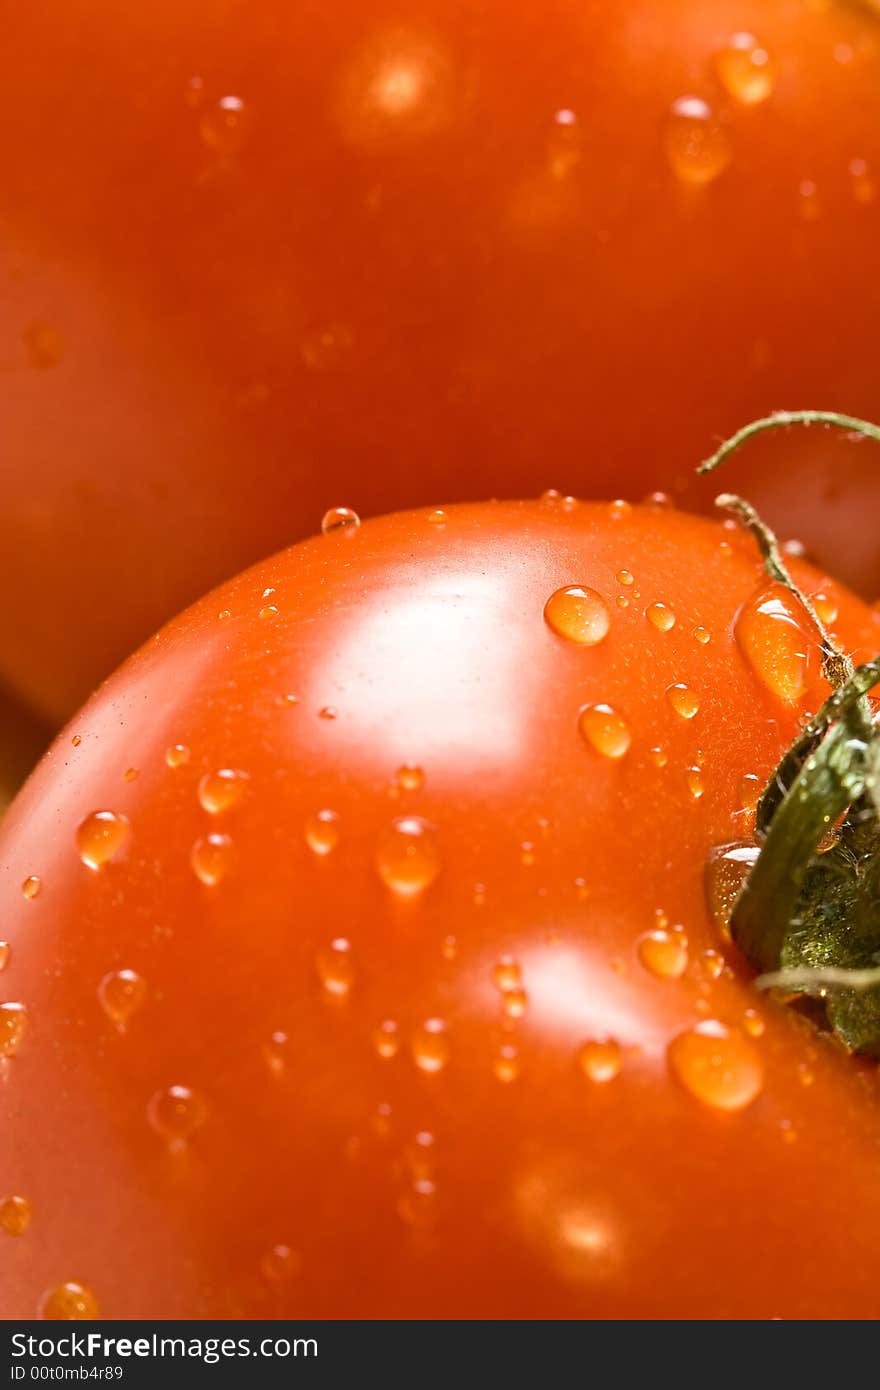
(660, 617)
(386, 1038)
(449, 948)
(121, 993)
(268, 612)
(721, 1068)
(622, 601)
(697, 145)
(625, 578)
(437, 517)
(31, 887)
(193, 92)
(211, 858)
(746, 69)
(280, 1264)
(809, 205)
(178, 755)
(76, 740)
(340, 521)
(70, 1302)
(727, 869)
(416, 1205)
(43, 345)
(527, 854)
(514, 1002)
(13, 1024)
(578, 614)
(600, 1061)
(130, 774)
(683, 700)
(663, 953)
(220, 791)
(753, 1023)
(507, 973)
(177, 1112)
(712, 963)
(430, 1045)
(606, 730)
(826, 608)
(750, 788)
(226, 126)
(15, 1215)
(409, 778)
(4, 954)
(659, 756)
(420, 1155)
(335, 966)
(286, 701)
(551, 497)
(619, 509)
(506, 1065)
(772, 636)
(327, 347)
(277, 1052)
(702, 635)
(327, 712)
(407, 857)
(864, 187)
(224, 615)
(100, 837)
(695, 782)
(322, 832)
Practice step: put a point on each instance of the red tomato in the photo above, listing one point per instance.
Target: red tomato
(268, 259)
(365, 955)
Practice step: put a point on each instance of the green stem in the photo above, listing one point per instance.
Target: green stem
(781, 419)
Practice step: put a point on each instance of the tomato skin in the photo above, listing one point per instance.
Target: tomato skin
(458, 298)
(543, 1195)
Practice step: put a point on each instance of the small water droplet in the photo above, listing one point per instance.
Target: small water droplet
(70, 1302)
(76, 740)
(663, 953)
(121, 993)
(600, 1061)
(551, 497)
(712, 963)
(683, 700)
(178, 755)
(619, 509)
(449, 948)
(211, 858)
(430, 1045)
(386, 1038)
(280, 1264)
(578, 614)
(277, 1052)
(695, 780)
(268, 612)
(340, 521)
(322, 832)
(719, 1067)
(220, 791)
(226, 126)
(335, 966)
(622, 601)
(416, 1205)
(625, 578)
(4, 954)
(826, 608)
(224, 615)
(407, 858)
(659, 756)
(772, 636)
(437, 517)
(327, 712)
(727, 869)
(31, 887)
(506, 1065)
(605, 730)
(193, 92)
(177, 1112)
(746, 69)
(507, 973)
(43, 345)
(100, 837)
(13, 1025)
(809, 205)
(15, 1215)
(131, 774)
(409, 778)
(527, 856)
(514, 1002)
(753, 1023)
(696, 143)
(864, 187)
(660, 617)
(702, 635)
(750, 788)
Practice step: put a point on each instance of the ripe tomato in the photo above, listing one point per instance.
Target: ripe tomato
(284, 258)
(365, 952)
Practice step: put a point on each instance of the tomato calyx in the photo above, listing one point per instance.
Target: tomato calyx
(806, 915)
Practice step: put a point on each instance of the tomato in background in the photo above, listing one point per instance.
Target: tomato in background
(263, 259)
(361, 929)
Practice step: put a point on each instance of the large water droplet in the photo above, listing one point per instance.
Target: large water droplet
(605, 730)
(407, 857)
(220, 791)
(578, 614)
(100, 837)
(746, 69)
(177, 1112)
(696, 143)
(771, 630)
(430, 1045)
(600, 1061)
(31, 887)
(723, 1069)
(211, 858)
(13, 1025)
(335, 966)
(664, 953)
(121, 993)
(70, 1302)
(339, 521)
(322, 832)
(15, 1215)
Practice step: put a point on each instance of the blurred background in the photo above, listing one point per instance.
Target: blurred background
(264, 258)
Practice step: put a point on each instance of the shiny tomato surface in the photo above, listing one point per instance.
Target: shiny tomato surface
(263, 259)
(359, 962)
